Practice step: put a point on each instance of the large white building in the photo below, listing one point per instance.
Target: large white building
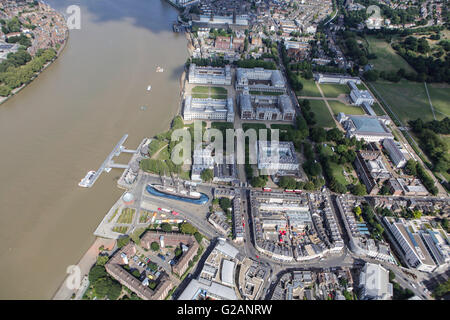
(208, 109)
(260, 80)
(335, 78)
(368, 128)
(411, 245)
(209, 75)
(374, 283)
(277, 157)
(358, 97)
(265, 107)
(398, 155)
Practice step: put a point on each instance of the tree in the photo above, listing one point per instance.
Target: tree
(115, 289)
(102, 260)
(258, 182)
(417, 214)
(287, 182)
(198, 236)
(178, 252)
(123, 241)
(225, 203)
(154, 246)
(166, 227)
(207, 175)
(410, 167)
(358, 190)
(96, 273)
(318, 134)
(188, 228)
(357, 211)
(312, 168)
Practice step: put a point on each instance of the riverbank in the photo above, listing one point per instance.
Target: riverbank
(48, 64)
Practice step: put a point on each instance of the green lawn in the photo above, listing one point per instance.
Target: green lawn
(409, 99)
(377, 108)
(337, 107)
(387, 59)
(257, 127)
(203, 92)
(323, 116)
(283, 127)
(334, 90)
(440, 98)
(309, 88)
(337, 173)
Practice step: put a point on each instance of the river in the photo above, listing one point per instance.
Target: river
(66, 122)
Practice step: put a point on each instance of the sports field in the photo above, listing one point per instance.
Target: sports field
(337, 107)
(334, 90)
(409, 99)
(323, 116)
(387, 59)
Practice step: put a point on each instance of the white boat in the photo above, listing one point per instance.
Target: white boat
(159, 69)
(87, 179)
(149, 88)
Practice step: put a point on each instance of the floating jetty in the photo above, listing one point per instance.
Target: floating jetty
(92, 176)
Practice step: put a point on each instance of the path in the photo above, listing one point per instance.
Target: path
(338, 125)
(157, 152)
(429, 100)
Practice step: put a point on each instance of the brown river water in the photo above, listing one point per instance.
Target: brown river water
(66, 122)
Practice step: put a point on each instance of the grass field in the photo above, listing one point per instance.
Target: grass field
(323, 116)
(387, 59)
(409, 99)
(337, 107)
(334, 90)
(337, 173)
(377, 108)
(282, 127)
(209, 92)
(257, 127)
(440, 98)
(309, 88)
(126, 216)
